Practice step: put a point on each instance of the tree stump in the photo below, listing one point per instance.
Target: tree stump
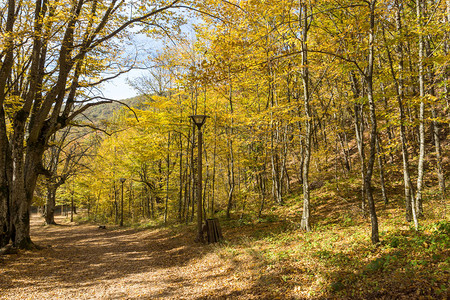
(213, 230)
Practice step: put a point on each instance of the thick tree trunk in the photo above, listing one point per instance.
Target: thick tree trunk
(5, 151)
(5, 160)
(27, 155)
(4, 216)
(20, 216)
(22, 184)
(5, 232)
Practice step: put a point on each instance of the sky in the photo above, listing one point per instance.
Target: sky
(118, 88)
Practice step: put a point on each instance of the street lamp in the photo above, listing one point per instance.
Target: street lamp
(71, 211)
(122, 180)
(199, 120)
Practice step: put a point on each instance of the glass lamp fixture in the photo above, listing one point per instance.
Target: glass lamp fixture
(198, 120)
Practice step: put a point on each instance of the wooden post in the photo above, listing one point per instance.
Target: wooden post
(213, 230)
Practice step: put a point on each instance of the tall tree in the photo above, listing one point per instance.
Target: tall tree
(373, 122)
(421, 76)
(304, 18)
(60, 50)
(398, 78)
(6, 166)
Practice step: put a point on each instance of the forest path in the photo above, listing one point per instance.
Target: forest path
(85, 262)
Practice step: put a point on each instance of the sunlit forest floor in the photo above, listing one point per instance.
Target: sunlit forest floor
(261, 258)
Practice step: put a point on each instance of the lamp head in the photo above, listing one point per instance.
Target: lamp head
(198, 120)
(122, 180)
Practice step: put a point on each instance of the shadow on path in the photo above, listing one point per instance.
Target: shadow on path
(83, 255)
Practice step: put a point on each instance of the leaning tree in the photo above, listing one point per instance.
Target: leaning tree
(53, 55)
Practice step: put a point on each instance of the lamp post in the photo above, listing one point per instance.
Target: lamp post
(122, 180)
(71, 211)
(199, 120)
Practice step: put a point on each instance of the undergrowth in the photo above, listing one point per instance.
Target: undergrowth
(337, 259)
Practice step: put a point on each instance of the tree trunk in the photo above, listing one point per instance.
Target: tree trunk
(130, 202)
(231, 180)
(381, 166)
(389, 127)
(436, 126)
(152, 204)
(116, 205)
(345, 150)
(373, 133)
(21, 189)
(5, 159)
(276, 184)
(305, 223)
(398, 80)
(188, 179)
(284, 176)
(49, 213)
(230, 165)
(166, 206)
(181, 182)
(417, 206)
(359, 134)
(213, 183)
(262, 192)
(447, 71)
(5, 151)
(193, 180)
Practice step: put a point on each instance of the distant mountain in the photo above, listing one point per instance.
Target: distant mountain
(106, 111)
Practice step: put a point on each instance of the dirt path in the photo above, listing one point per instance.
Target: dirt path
(84, 262)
